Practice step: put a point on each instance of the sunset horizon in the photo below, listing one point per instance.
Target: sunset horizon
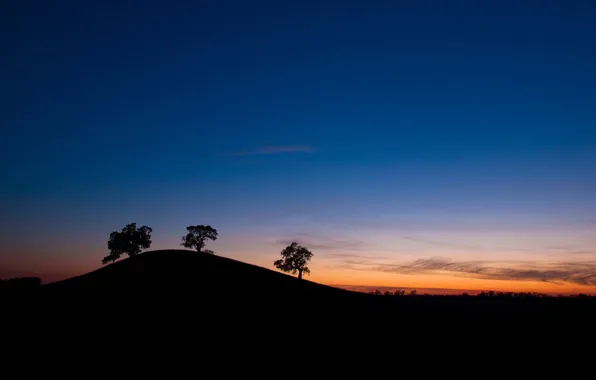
(364, 281)
(446, 145)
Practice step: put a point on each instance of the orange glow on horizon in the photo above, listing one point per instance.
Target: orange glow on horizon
(371, 279)
(50, 271)
(424, 281)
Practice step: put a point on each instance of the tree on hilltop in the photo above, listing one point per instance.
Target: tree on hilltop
(294, 259)
(196, 237)
(129, 240)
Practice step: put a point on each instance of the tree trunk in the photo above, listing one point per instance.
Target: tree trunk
(300, 274)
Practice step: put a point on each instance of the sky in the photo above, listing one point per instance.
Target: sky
(425, 144)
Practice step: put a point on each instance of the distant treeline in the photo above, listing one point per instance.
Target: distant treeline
(20, 283)
(402, 293)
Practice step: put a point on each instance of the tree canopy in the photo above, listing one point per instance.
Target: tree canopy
(294, 259)
(129, 240)
(196, 237)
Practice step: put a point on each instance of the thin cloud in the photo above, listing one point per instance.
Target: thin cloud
(556, 249)
(560, 247)
(437, 291)
(587, 222)
(585, 252)
(441, 243)
(556, 273)
(278, 149)
(329, 244)
(354, 258)
(346, 255)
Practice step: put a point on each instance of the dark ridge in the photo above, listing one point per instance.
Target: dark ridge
(184, 270)
(19, 284)
(169, 278)
(171, 287)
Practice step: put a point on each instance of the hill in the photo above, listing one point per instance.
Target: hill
(181, 285)
(183, 272)
(187, 281)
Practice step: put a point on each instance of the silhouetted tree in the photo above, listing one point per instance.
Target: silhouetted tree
(294, 259)
(130, 241)
(196, 236)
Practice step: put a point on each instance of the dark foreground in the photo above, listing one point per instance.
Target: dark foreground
(176, 292)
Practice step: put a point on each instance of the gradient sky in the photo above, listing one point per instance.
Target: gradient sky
(436, 144)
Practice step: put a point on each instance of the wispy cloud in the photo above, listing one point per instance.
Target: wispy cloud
(441, 243)
(555, 249)
(278, 149)
(437, 291)
(560, 247)
(584, 252)
(325, 242)
(350, 260)
(557, 273)
(329, 244)
(350, 256)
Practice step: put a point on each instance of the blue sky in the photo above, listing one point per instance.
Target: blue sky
(372, 122)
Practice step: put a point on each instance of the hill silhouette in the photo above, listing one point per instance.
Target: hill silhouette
(190, 271)
(182, 280)
(181, 286)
